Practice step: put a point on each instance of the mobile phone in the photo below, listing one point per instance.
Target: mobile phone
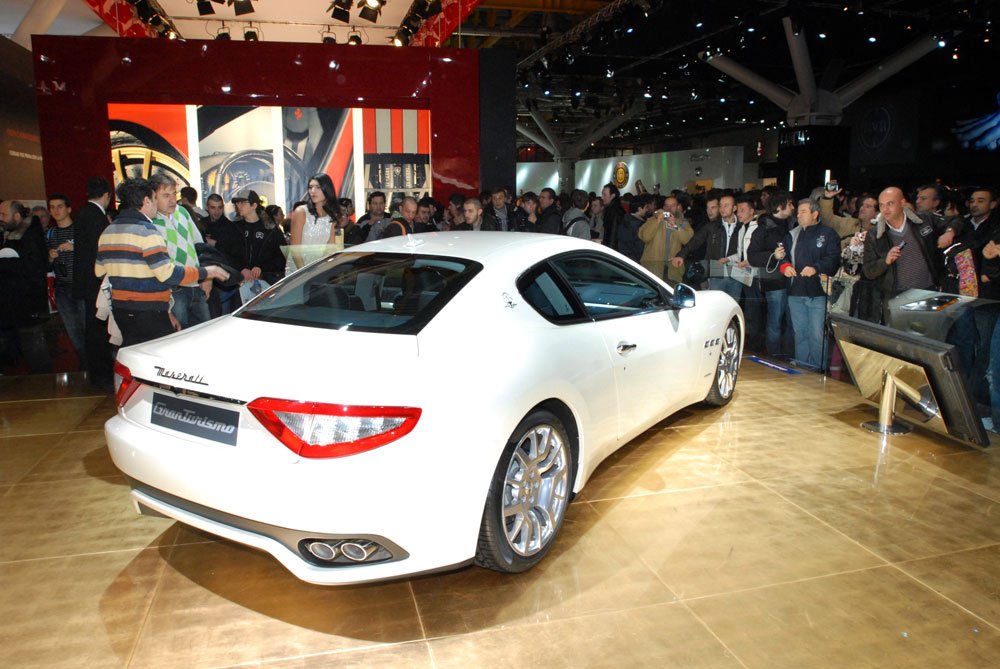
(902, 245)
(832, 186)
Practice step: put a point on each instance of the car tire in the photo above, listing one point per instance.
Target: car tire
(528, 496)
(728, 367)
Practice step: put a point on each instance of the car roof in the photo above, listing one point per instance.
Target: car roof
(481, 247)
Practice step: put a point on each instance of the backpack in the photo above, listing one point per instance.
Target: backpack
(566, 227)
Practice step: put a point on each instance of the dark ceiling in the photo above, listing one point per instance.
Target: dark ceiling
(575, 67)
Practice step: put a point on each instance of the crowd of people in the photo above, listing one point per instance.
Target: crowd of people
(787, 261)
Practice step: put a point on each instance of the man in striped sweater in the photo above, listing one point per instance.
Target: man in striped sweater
(133, 254)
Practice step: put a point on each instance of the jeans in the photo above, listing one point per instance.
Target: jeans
(777, 305)
(71, 311)
(753, 314)
(808, 318)
(190, 305)
(730, 287)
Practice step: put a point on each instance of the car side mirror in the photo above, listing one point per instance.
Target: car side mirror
(683, 296)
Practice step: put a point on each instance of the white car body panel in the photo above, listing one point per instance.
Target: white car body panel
(476, 369)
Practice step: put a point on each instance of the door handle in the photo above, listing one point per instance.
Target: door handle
(624, 348)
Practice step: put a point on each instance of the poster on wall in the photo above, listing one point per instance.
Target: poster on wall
(236, 151)
(317, 141)
(397, 152)
(147, 139)
(230, 150)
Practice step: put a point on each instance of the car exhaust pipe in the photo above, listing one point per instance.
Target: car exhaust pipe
(322, 550)
(358, 551)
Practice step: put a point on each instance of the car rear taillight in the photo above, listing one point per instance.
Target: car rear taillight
(125, 385)
(317, 430)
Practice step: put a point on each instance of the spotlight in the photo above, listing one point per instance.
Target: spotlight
(427, 8)
(205, 8)
(250, 35)
(340, 10)
(872, 39)
(402, 37)
(370, 9)
(610, 72)
(354, 39)
(223, 33)
(329, 38)
(941, 43)
(822, 35)
(241, 7)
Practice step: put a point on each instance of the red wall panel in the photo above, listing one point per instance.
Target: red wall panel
(76, 78)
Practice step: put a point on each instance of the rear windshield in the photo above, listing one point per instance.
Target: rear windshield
(365, 292)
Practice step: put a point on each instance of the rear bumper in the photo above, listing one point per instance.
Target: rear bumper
(275, 506)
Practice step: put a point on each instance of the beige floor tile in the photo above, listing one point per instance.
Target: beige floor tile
(84, 611)
(76, 455)
(901, 511)
(45, 416)
(221, 604)
(666, 635)
(19, 454)
(102, 411)
(588, 571)
(745, 406)
(73, 517)
(969, 578)
(411, 655)
(46, 386)
(975, 470)
(660, 461)
(873, 618)
(720, 539)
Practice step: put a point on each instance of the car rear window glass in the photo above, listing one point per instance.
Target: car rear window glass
(367, 292)
(607, 289)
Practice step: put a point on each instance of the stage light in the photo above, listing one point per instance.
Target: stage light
(822, 35)
(354, 39)
(941, 43)
(329, 37)
(427, 8)
(370, 9)
(872, 39)
(241, 7)
(250, 35)
(205, 8)
(609, 72)
(223, 34)
(340, 10)
(402, 37)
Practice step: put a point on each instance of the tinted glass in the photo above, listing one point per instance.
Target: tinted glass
(541, 290)
(367, 292)
(607, 289)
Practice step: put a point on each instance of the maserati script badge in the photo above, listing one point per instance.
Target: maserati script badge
(180, 376)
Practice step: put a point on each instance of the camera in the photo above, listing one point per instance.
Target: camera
(832, 186)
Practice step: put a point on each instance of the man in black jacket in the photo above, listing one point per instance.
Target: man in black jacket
(629, 243)
(26, 283)
(613, 214)
(765, 240)
(811, 254)
(549, 218)
(719, 239)
(499, 211)
(89, 224)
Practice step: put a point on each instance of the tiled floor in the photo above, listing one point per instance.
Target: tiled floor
(769, 533)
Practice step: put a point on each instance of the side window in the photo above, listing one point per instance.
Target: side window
(543, 293)
(608, 290)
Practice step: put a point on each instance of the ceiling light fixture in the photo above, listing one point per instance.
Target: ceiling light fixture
(370, 9)
(354, 39)
(251, 34)
(205, 8)
(340, 10)
(241, 7)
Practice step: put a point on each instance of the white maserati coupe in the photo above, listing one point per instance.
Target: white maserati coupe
(416, 403)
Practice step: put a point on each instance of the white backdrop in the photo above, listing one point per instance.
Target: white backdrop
(723, 165)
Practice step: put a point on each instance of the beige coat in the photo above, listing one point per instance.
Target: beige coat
(653, 234)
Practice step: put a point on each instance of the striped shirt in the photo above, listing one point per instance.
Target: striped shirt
(133, 254)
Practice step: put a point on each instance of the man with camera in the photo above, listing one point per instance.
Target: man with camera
(664, 233)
